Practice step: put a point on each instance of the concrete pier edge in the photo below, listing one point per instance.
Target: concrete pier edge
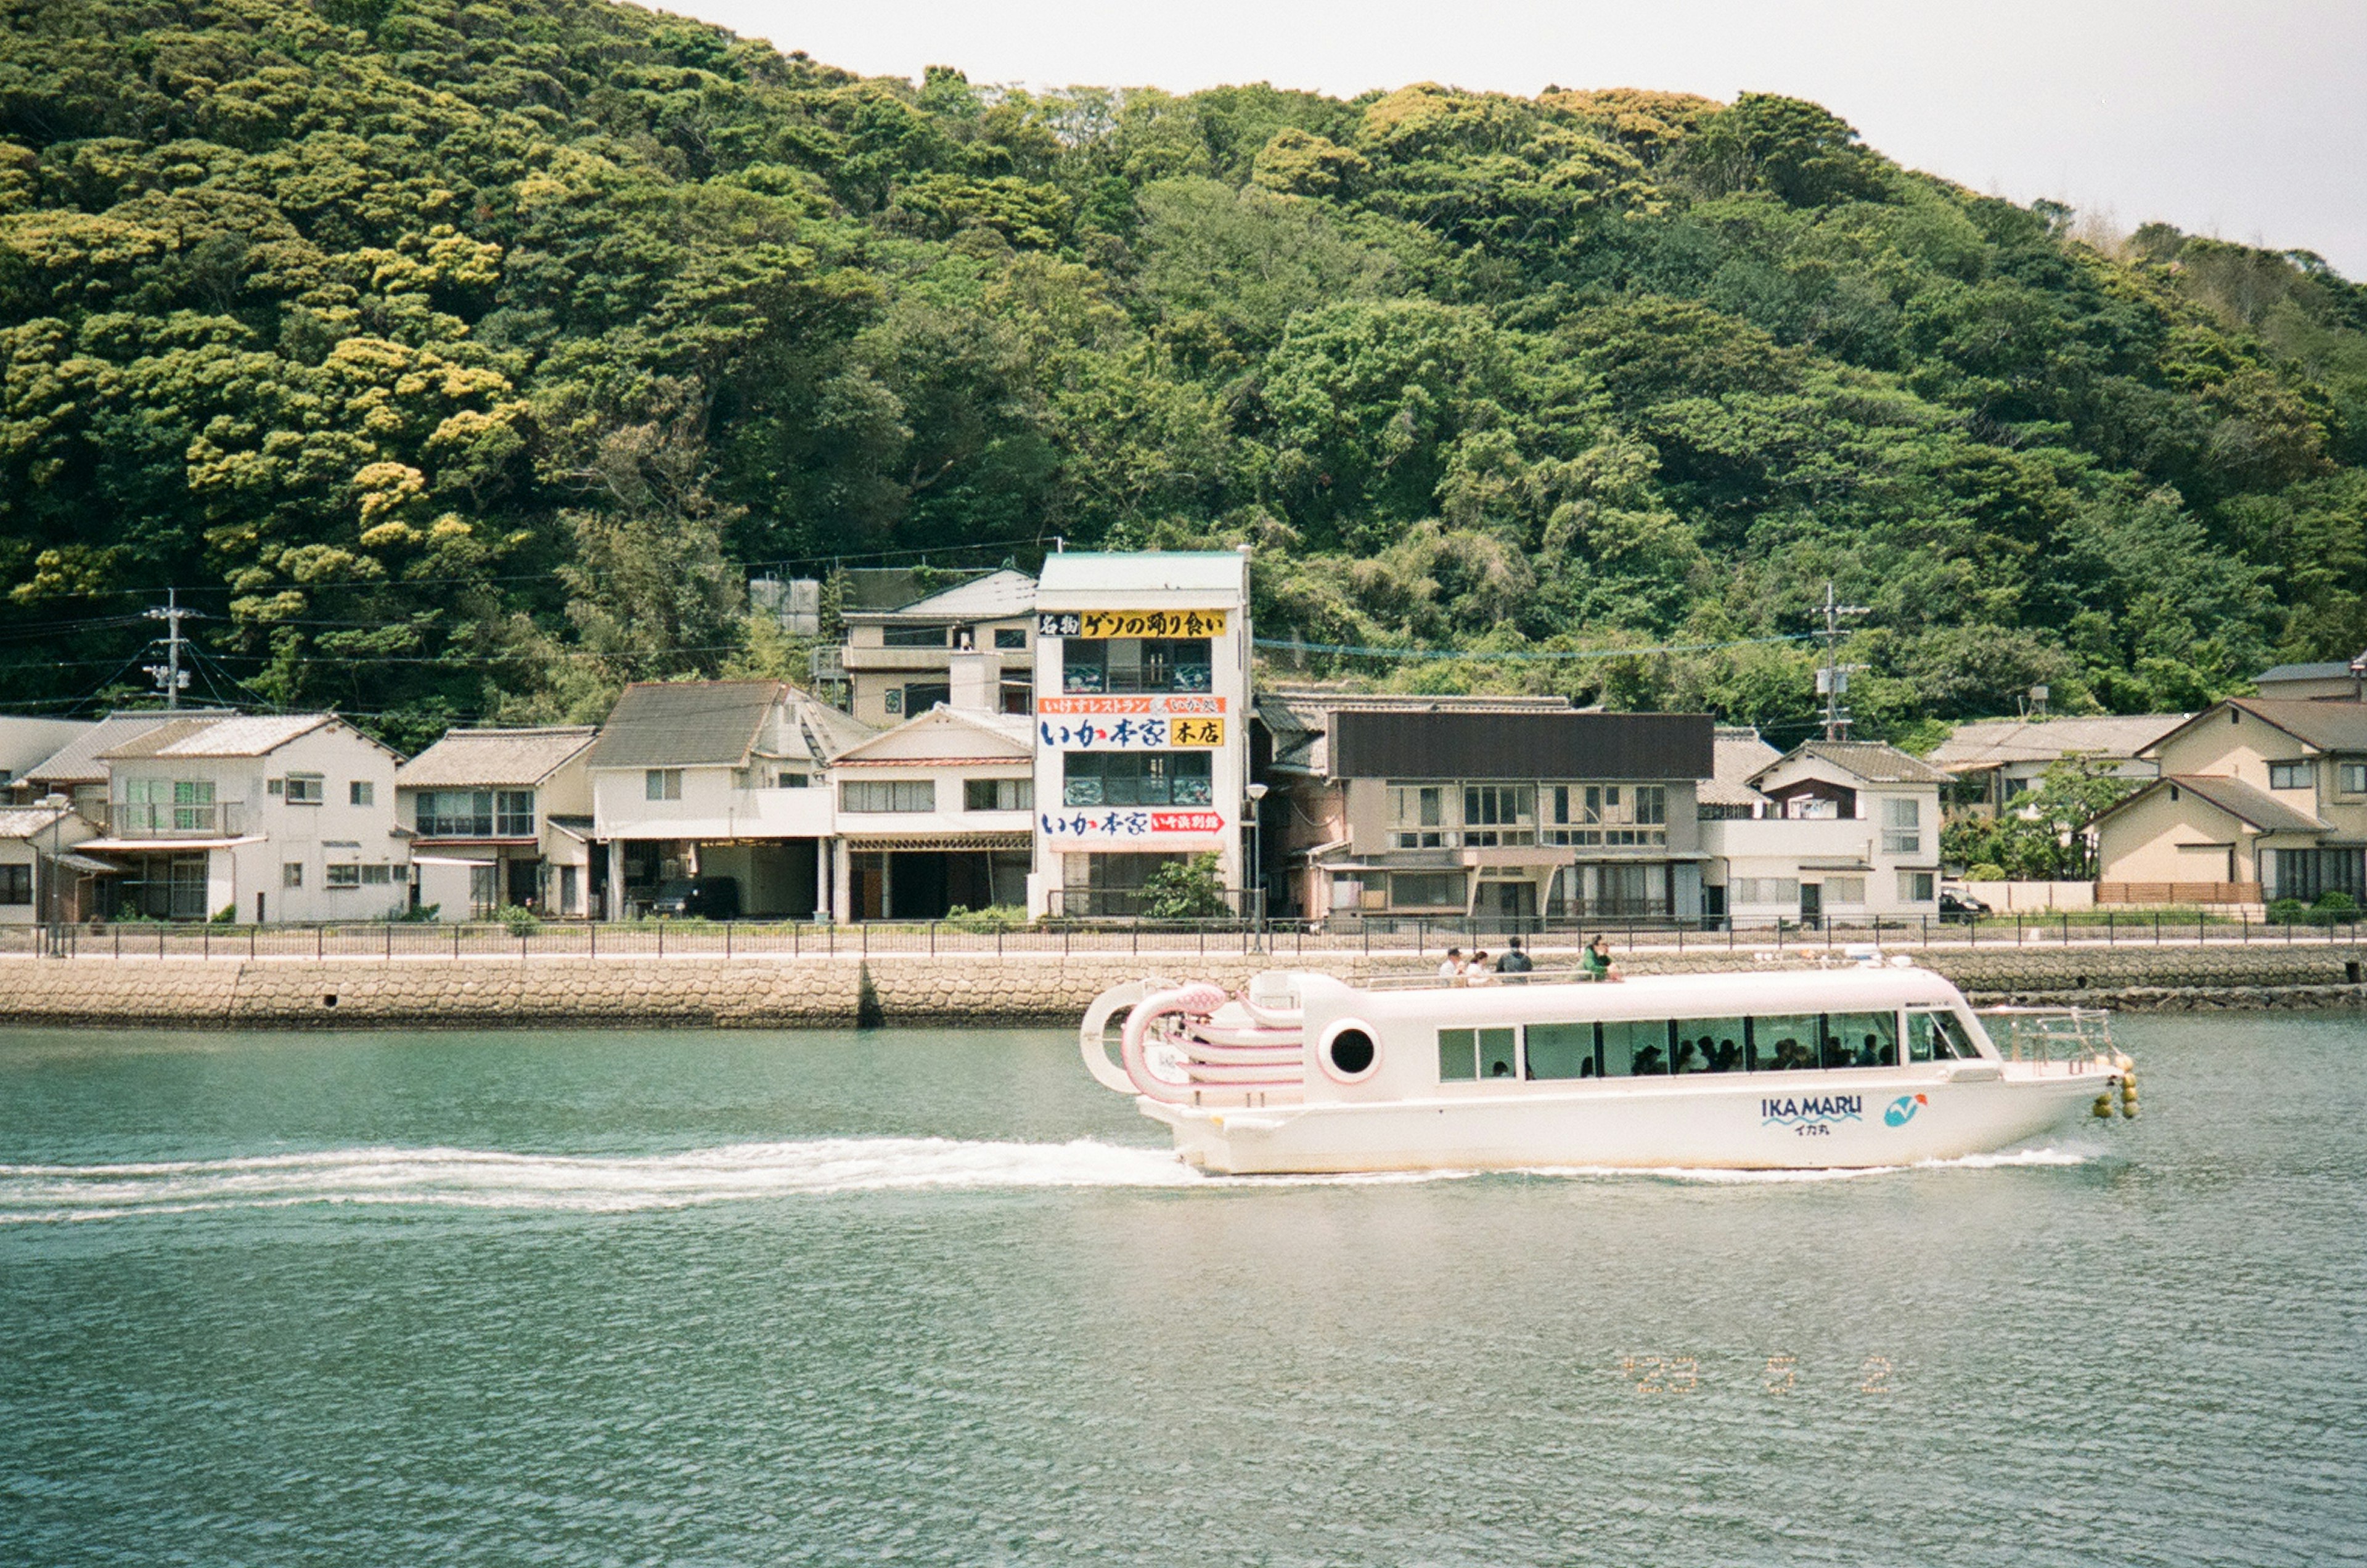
(811, 992)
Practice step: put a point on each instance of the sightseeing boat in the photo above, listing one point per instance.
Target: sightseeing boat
(1831, 1068)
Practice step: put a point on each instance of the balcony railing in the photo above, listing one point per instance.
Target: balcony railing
(152, 819)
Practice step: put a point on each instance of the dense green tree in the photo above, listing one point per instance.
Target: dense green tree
(463, 359)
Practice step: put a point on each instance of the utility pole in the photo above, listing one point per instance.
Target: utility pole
(169, 674)
(1833, 680)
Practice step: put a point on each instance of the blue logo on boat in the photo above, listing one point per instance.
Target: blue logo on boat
(1902, 1109)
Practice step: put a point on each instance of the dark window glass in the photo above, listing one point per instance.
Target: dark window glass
(1561, 1050)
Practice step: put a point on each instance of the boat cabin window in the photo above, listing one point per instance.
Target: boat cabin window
(1712, 1046)
(1636, 1050)
(1786, 1043)
(1937, 1037)
(1561, 1051)
(1861, 1040)
(1464, 1054)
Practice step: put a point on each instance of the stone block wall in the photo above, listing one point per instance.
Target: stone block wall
(776, 992)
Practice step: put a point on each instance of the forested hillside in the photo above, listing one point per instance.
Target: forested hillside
(461, 360)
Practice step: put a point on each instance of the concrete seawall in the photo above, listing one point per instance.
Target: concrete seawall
(770, 992)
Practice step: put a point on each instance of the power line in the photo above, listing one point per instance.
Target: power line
(1434, 653)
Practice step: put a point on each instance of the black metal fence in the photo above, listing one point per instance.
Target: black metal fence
(390, 941)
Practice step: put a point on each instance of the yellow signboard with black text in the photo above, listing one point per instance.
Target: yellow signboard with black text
(1130, 623)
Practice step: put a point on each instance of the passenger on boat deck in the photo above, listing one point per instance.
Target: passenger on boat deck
(1452, 970)
(1596, 961)
(1514, 962)
(1477, 973)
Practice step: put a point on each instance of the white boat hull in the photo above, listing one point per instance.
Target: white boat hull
(1713, 1121)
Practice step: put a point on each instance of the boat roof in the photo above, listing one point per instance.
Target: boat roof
(1546, 998)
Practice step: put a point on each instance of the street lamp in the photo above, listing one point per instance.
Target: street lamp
(58, 805)
(1256, 879)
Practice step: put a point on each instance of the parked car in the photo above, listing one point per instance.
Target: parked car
(1958, 905)
(697, 898)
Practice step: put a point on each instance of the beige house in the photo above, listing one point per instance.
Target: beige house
(501, 816)
(1844, 829)
(2259, 799)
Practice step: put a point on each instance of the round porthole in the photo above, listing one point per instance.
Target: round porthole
(1348, 1053)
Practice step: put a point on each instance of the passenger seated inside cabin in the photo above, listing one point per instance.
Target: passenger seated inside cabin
(1874, 1054)
(1789, 1055)
(1499, 1068)
(1586, 1067)
(1688, 1057)
(1648, 1061)
(1728, 1057)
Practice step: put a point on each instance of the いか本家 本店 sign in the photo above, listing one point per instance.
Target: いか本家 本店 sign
(1130, 623)
(1130, 733)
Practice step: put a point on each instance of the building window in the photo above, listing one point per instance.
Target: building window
(1844, 889)
(886, 795)
(1418, 818)
(291, 874)
(2351, 778)
(1136, 778)
(343, 876)
(513, 814)
(475, 813)
(913, 637)
(304, 789)
(1494, 815)
(790, 781)
(1010, 636)
(377, 875)
(361, 792)
(2289, 775)
(998, 794)
(1902, 826)
(1136, 664)
(1915, 887)
(15, 884)
(178, 805)
(274, 786)
(661, 784)
(1427, 889)
(1616, 815)
(1765, 890)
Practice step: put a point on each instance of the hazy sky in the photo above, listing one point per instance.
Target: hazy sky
(2245, 120)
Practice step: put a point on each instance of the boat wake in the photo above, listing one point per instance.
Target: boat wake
(473, 1178)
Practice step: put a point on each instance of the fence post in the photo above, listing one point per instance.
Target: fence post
(160, 942)
(2112, 927)
(595, 939)
(521, 944)
(1366, 927)
(118, 942)
(456, 939)
(205, 942)
(932, 939)
(2016, 927)
(2066, 928)
(726, 938)
(2246, 917)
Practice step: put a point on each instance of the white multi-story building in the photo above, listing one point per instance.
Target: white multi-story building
(898, 663)
(1831, 830)
(1141, 721)
(270, 817)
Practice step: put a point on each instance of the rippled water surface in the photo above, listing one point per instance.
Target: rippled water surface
(727, 1298)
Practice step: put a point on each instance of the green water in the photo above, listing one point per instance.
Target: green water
(734, 1298)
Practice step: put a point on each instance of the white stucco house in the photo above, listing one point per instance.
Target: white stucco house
(271, 817)
(1832, 830)
(935, 814)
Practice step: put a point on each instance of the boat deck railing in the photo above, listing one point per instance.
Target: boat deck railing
(2065, 1036)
